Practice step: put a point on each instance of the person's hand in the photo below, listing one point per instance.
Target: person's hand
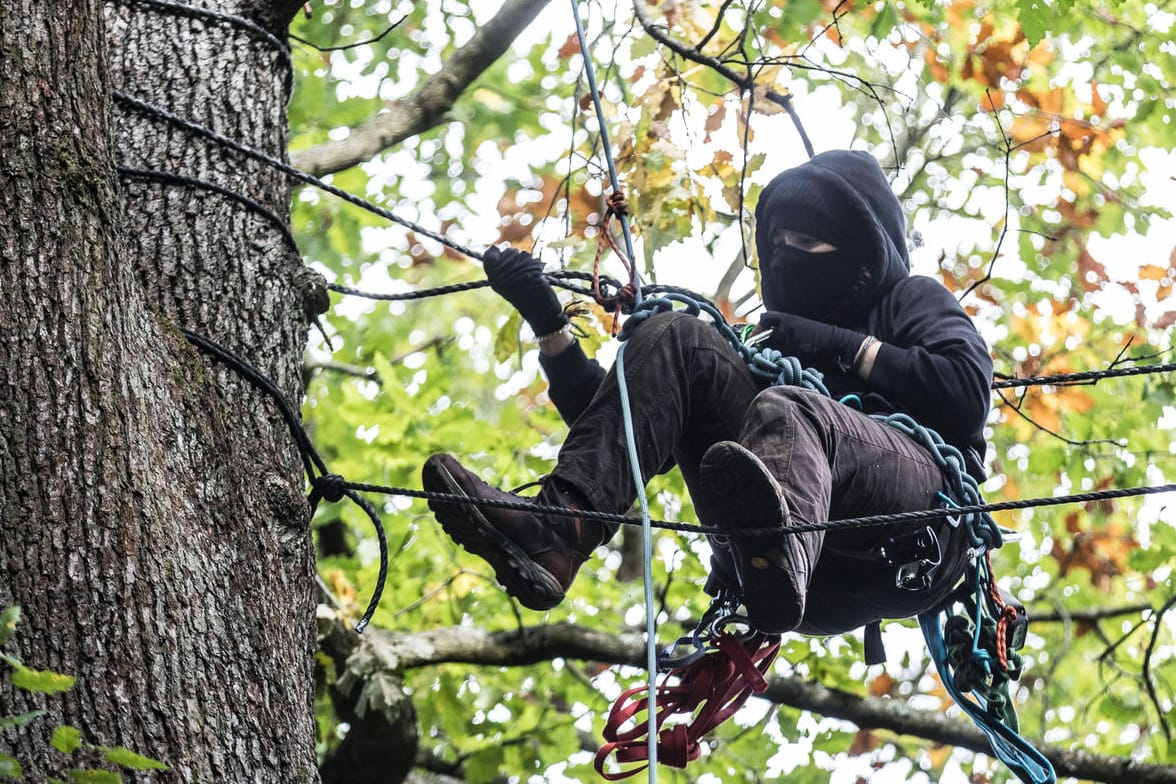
(810, 341)
(517, 277)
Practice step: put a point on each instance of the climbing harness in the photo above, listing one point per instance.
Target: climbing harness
(974, 652)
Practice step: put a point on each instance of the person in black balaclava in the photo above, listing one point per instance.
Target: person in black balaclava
(838, 294)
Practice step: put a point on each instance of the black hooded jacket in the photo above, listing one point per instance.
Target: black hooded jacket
(932, 363)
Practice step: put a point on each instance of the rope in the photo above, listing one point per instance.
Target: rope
(797, 527)
(634, 289)
(766, 360)
(257, 155)
(1062, 379)
(208, 15)
(253, 205)
(324, 485)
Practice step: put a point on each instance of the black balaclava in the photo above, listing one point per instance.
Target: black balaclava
(842, 198)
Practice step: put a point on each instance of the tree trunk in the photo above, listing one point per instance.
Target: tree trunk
(152, 520)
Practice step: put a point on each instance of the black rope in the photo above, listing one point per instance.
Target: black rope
(208, 15)
(1062, 379)
(560, 278)
(333, 487)
(269, 160)
(324, 485)
(795, 528)
(251, 204)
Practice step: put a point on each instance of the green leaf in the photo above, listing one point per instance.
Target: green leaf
(1034, 16)
(9, 618)
(481, 767)
(8, 722)
(9, 767)
(67, 739)
(43, 681)
(120, 755)
(506, 343)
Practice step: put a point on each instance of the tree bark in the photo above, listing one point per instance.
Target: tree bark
(152, 522)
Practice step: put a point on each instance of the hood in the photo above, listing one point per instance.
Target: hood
(843, 198)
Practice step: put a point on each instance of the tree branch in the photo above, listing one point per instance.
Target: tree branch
(427, 105)
(531, 645)
(1087, 615)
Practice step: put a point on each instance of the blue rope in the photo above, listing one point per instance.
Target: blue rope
(590, 73)
(634, 462)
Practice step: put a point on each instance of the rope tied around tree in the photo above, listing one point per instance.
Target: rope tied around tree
(324, 484)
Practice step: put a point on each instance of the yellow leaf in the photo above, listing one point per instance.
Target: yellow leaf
(1152, 272)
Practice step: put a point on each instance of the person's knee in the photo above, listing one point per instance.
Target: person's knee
(796, 400)
(785, 408)
(677, 326)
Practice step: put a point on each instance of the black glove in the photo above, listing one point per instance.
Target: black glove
(517, 277)
(812, 342)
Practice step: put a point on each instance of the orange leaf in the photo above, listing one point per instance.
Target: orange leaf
(1069, 211)
(863, 743)
(1152, 272)
(937, 69)
(1032, 131)
(1097, 105)
(1075, 399)
(570, 48)
(1091, 274)
(881, 686)
(1166, 320)
(714, 120)
(992, 100)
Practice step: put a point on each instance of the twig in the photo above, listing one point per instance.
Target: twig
(1148, 682)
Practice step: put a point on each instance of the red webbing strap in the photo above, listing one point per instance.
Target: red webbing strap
(720, 682)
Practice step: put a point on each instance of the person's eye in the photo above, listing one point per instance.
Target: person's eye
(802, 241)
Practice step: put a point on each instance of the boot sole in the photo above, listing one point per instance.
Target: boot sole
(534, 587)
(739, 494)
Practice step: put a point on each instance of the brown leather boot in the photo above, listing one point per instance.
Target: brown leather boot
(738, 492)
(535, 557)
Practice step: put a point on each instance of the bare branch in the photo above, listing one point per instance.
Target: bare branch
(531, 645)
(427, 105)
(1088, 615)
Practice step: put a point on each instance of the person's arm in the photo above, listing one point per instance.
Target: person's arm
(933, 363)
(572, 378)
